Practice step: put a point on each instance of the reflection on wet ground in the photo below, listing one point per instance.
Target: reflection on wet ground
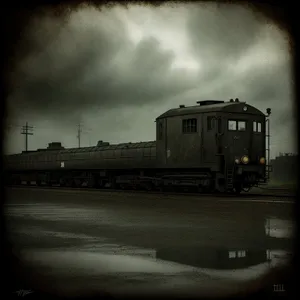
(142, 245)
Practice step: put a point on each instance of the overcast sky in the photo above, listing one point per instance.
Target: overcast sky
(115, 71)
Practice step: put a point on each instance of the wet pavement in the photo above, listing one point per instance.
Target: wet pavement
(131, 242)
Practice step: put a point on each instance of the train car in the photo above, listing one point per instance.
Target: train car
(212, 146)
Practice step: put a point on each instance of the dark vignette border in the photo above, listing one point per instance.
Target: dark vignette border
(15, 17)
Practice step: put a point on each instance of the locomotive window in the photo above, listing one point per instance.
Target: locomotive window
(210, 123)
(236, 125)
(232, 254)
(258, 127)
(241, 125)
(231, 125)
(189, 126)
(219, 125)
(160, 131)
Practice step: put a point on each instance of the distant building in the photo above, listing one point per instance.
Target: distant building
(284, 167)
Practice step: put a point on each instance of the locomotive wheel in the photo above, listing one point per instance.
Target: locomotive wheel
(101, 184)
(148, 186)
(68, 183)
(200, 190)
(62, 183)
(164, 188)
(237, 189)
(122, 186)
(91, 184)
(73, 184)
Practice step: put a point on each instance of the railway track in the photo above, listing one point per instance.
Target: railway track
(284, 194)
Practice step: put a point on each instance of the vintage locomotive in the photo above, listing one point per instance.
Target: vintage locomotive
(213, 146)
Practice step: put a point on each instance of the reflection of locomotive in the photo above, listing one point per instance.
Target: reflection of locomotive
(229, 243)
(215, 258)
(215, 145)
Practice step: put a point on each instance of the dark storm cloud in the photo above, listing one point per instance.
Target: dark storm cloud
(266, 84)
(94, 65)
(91, 71)
(89, 67)
(220, 34)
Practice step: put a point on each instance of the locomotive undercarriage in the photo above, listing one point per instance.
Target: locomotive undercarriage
(135, 179)
(247, 180)
(165, 180)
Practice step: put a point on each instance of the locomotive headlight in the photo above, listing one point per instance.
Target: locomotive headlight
(237, 160)
(245, 159)
(262, 160)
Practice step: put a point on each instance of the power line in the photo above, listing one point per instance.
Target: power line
(79, 134)
(27, 131)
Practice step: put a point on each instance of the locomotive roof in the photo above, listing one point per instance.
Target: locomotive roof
(95, 148)
(111, 147)
(196, 109)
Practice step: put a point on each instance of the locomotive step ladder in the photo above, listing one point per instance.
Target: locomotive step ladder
(229, 178)
(268, 168)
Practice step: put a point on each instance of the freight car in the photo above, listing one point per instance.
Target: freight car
(212, 146)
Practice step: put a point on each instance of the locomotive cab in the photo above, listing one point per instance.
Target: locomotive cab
(245, 146)
(225, 140)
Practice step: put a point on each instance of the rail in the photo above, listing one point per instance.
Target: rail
(189, 194)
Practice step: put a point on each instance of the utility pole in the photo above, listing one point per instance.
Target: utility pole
(79, 134)
(26, 130)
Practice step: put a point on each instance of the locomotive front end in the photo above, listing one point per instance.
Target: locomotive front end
(247, 148)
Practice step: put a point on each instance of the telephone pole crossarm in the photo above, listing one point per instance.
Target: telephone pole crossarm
(27, 130)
